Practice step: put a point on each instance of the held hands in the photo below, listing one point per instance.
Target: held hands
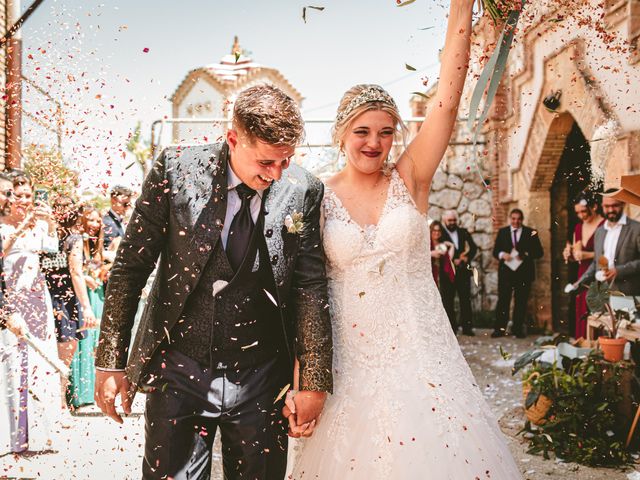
(108, 386)
(462, 259)
(506, 257)
(303, 409)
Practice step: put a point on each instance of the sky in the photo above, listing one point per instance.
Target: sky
(113, 63)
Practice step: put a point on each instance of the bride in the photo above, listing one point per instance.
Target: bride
(405, 403)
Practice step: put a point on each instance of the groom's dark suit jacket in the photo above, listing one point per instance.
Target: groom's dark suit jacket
(179, 217)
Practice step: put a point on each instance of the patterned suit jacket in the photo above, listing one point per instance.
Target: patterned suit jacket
(178, 218)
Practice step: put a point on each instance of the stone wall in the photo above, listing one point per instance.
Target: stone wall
(457, 185)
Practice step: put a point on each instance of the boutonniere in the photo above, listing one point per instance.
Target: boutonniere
(294, 223)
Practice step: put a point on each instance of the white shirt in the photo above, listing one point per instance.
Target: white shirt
(234, 203)
(453, 236)
(611, 239)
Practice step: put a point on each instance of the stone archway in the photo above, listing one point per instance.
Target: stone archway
(581, 105)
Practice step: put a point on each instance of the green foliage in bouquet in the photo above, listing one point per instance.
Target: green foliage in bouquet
(583, 424)
(499, 9)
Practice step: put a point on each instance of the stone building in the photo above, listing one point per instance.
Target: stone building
(536, 158)
(210, 91)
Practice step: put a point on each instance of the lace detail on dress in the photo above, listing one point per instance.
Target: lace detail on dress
(405, 400)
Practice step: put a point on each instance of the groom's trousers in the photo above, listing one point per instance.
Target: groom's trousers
(189, 403)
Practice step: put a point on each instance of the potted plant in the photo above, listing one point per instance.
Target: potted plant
(598, 301)
(582, 420)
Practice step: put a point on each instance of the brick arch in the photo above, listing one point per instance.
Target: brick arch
(582, 102)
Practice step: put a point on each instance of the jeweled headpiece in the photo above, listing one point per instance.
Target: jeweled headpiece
(373, 93)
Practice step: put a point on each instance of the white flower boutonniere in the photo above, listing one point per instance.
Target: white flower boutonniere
(294, 223)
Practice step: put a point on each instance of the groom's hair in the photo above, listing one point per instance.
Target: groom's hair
(266, 113)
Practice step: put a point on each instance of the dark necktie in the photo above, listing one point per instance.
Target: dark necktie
(241, 228)
(515, 239)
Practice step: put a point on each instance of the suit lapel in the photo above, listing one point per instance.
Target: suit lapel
(624, 231)
(272, 234)
(281, 200)
(207, 230)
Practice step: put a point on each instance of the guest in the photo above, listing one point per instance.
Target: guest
(82, 366)
(7, 321)
(520, 244)
(115, 219)
(441, 254)
(464, 251)
(65, 279)
(29, 386)
(617, 242)
(581, 250)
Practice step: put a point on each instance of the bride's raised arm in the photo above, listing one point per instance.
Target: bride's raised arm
(419, 162)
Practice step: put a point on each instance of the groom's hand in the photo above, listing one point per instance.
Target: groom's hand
(308, 405)
(289, 412)
(108, 386)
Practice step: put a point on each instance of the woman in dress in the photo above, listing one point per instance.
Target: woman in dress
(82, 367)
(405, 403)
(581, 250)
(441, 254)
(65, 279)
(29, 386)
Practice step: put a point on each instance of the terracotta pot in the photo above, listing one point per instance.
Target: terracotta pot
(536, 413)
(612, 348)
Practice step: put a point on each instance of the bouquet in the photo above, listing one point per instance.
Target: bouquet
(499, 10)
(505, 12)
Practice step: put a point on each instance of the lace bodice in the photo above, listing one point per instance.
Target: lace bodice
(366, 265)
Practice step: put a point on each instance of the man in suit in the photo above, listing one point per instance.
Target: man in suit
(617, 240)
(237, 298)
(113, 220)
(521, 244)
(465, 251)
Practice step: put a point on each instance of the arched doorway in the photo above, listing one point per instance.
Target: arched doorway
(573, 175)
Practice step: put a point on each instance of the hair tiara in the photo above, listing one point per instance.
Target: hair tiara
(372, 93)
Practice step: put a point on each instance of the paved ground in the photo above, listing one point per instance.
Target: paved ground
(95, 448)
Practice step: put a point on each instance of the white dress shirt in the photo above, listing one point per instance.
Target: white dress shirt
(234, 203)
(453, 236)
(611, 239)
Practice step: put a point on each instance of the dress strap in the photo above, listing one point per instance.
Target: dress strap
(399, 192)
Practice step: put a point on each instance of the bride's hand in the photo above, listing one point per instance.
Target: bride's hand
(289, 412)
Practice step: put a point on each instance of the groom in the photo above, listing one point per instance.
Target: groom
(240, 292)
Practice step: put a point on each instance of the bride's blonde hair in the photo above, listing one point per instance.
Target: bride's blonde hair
(363, 98)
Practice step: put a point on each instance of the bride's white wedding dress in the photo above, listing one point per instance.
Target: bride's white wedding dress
(405, 403)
